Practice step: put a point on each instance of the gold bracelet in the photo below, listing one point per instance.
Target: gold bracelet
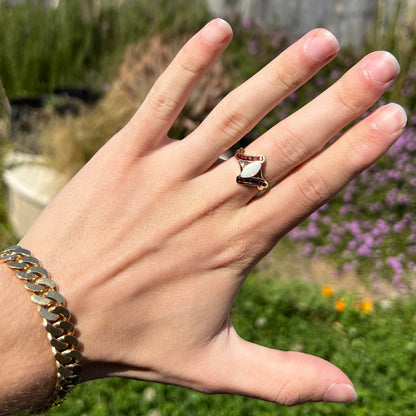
(56, 318)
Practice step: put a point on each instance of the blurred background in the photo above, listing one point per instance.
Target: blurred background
(340, 286)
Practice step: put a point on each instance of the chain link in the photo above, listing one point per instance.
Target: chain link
(56, 318)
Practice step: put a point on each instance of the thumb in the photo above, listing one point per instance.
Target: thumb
(282, 377)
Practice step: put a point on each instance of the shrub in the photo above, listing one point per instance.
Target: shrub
(80, 42)
(70, 142)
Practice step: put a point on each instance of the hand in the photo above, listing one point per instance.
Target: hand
(152, 240)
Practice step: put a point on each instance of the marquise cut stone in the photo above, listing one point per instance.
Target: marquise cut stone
(251, 170)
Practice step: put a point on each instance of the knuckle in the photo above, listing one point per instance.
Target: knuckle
(312, 186)
(346, 95)
(359, 146)
(291, 147)
(287, 394)
(188, 65)
(347, 100)
(162, 104)
(235, 253)
(232, 123)
(288, 79)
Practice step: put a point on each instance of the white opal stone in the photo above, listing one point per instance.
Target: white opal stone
(251, 170)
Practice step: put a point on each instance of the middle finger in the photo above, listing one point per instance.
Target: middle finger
(244, 107)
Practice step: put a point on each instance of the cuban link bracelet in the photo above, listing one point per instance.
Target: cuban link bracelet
(56, 318)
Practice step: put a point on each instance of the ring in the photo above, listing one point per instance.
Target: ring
(251, 173)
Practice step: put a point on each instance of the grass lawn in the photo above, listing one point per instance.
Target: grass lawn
(377, 350)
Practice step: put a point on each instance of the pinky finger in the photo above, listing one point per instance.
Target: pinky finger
(323, 176)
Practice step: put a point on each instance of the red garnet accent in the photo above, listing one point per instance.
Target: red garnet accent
(244, 157)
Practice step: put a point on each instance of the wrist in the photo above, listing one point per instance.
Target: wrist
(75, 280)
(28, 370)
(50, 305)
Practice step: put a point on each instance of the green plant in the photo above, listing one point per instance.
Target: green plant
(69, 142)
(81, 42)
(394, 29)
(6, 234)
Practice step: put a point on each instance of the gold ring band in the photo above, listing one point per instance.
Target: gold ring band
(251, 173)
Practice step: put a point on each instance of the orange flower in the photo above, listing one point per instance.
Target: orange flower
(367, 306)
(340, 305)
(327, 291)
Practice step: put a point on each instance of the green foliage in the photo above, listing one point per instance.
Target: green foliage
(394, 30)
(376, 350)
(80, 42)
(7, 235)
(253, 46)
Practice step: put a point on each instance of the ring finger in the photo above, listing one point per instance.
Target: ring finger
(303, 134)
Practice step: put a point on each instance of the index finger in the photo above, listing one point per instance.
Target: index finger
(167, 97)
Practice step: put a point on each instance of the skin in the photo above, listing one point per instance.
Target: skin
(152, 240)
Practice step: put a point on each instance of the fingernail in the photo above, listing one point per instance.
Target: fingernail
(216, 31)
(391, 118)
(321, 46)
(383, 67)
(341, 393)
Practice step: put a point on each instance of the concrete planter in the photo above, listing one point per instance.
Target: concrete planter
(31, 186)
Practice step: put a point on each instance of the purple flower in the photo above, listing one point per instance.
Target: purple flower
(324, 207)
(348, 267)
(308, 250)
(313, 229)
(315, 216)
(373, 276)
(391, 197)
(253, 47)
(397, 278)
(293, 98)
(346, 254)
(364, 251)
(411, 238)
(246, 22)
(352, 245)
(395, 264)
(399, 227)
(401, 287)
(335, 73)
(320, 82)
(277, 38)
(344, 210)
(379, 264)
(335, 239)
(403, 199)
